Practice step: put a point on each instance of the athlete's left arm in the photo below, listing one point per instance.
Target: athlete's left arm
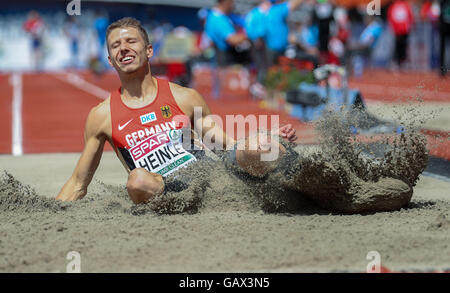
(206, 124)
(248, 159)
(212, 132)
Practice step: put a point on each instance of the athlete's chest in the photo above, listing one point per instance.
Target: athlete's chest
(153, 137)
(135, 125)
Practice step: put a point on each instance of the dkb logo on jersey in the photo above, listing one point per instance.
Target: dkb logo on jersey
(147, 118)
(165, 110)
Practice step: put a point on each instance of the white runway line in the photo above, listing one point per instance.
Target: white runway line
(16, 82)
(83, 85)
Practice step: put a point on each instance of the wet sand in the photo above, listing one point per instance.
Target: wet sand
(228, 231)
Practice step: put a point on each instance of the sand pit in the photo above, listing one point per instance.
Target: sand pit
(229, 232)
(224, 224)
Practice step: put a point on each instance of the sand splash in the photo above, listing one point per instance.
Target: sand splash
(342, 173)
(401, 155)
(15, 196)
(362, 174)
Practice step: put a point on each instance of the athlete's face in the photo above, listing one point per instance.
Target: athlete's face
(127, 49)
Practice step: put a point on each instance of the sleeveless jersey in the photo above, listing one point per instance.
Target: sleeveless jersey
(150, 137)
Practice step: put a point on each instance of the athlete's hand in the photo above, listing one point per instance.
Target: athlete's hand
(287, 132)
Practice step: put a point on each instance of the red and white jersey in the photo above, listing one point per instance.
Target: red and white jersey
(34, 26)
(150, 137)
(400, 17)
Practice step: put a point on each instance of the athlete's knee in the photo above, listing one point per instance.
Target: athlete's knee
(143, 185)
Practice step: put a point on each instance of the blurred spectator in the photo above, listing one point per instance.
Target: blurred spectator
(339, 35)
(100, 25)
(361, 50)
(429, 13)
(445, 34)
(401, 20)
(277, 32)
(158, 35)
(178, 45)
(255, 26)
(231, 45)
(34, 25)
(99, 63)
(371, 33)
(255, 22)
(204, 44)
(203, 51)
(323, 16)
(238, 20)
(305, 38)
(72, 32)
(343, 24)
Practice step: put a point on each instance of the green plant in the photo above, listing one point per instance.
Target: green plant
(286, 76)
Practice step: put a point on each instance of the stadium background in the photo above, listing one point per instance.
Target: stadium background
(44, 110)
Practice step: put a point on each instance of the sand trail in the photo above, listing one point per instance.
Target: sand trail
(221, 223)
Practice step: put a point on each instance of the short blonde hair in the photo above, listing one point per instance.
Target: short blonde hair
(129, 22)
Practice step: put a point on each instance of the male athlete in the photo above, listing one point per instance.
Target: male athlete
(144, 122)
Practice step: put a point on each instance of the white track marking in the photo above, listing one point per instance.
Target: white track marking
(16, 81)
(82, 84)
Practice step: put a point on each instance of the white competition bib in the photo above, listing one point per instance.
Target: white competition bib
(162, 153)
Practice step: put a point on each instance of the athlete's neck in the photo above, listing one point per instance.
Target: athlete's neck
(139, 85)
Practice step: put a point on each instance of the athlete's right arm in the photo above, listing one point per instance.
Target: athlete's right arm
(94, 139)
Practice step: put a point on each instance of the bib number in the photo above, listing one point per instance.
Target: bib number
(162, 153)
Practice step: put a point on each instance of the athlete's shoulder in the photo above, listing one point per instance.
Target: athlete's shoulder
(186, 96)
(101, 110)
(99, 117)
